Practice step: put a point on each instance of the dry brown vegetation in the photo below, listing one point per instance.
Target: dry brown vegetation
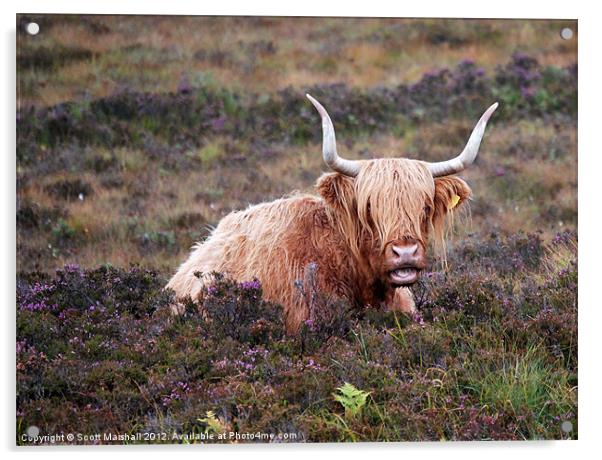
(266, 54)
(525, 178)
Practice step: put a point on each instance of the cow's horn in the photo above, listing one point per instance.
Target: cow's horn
(468, 155)
(329, 145)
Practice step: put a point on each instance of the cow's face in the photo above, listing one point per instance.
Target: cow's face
(389, 211)
(387, 208)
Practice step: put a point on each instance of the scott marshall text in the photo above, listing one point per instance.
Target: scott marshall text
(108, 438)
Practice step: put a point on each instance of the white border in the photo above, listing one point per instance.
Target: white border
(590, 152)
(457, 8)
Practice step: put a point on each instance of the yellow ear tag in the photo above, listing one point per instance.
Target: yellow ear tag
(454, 201)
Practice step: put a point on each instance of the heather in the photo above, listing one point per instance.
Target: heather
(137, 135)
(181, 120)
(492, 355)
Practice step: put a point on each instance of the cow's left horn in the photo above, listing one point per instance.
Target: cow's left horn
(468, 155)
(329, 145)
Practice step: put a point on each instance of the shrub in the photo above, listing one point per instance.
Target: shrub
(184, 120)
(493, 356)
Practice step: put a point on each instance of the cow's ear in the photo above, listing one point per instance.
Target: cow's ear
(450, 193)
(336, 189)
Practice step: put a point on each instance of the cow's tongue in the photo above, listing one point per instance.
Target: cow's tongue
(405, 275)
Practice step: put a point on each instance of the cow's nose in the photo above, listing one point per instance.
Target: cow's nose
(405, 252)
(410, 254)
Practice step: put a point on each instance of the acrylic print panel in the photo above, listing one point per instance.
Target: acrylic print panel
(384, 294)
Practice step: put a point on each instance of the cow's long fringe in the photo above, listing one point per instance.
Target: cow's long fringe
(403, 209)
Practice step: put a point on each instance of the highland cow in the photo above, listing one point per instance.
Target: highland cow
(366, 233)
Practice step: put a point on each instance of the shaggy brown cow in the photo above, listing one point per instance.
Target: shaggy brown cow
(366, 232)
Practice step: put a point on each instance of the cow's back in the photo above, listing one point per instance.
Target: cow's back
(272, 242)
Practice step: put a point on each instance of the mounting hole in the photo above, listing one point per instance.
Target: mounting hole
(566, 426)
(32, 28)
(566, 33)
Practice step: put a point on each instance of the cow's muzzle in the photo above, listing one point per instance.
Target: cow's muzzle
(404, 262)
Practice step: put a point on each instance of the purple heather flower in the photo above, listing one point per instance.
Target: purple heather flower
(418, 318)
(527, 92)
(250, 285)
(37, 306)
(21, 344)
(38, 288)
(499, 171)
(218, 123)
(71, 268)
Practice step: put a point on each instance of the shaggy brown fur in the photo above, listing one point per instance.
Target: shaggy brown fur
(344, 231)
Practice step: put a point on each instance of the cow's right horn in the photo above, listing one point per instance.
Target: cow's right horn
(329, 145)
